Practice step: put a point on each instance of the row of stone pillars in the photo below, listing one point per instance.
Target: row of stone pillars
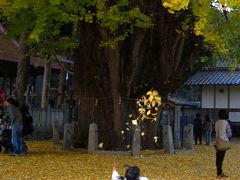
(93, 141)
(136, 140)
(169, 143)
(67, 134)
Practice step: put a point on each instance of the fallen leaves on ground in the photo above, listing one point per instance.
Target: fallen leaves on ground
(46, 161)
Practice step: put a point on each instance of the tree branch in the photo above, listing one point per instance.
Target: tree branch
(62, 65)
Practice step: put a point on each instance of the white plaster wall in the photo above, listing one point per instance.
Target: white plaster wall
(235, 96)
(234, 116)
(222, 97)
(207, 97)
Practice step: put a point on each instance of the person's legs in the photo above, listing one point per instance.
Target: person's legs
(219, 161)
(19, 139)
(196, 137)
(200, 137)
(206, 136)
(210, 137)
(14, 139)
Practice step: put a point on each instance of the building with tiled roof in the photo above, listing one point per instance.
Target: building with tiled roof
(215, 76)
(9, 51)
(9, 57)
(220, 89)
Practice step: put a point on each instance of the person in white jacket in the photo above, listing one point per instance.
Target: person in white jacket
(132, 173)
(221, 128)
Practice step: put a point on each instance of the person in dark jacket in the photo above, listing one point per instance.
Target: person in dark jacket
(17, 125)
(198, 128)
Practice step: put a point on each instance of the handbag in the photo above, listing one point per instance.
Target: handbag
(223, 145)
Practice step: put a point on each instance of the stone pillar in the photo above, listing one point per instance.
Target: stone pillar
(177, 138)
(136, 141)
(67, 137)
(168, 139)
(93, 138)
(55, 131)
(188, 136)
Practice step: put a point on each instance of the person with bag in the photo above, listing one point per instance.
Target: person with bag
(222, 143)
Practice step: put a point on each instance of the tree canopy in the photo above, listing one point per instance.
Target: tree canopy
(50, 25)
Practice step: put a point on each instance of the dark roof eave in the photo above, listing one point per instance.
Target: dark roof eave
(214, 77)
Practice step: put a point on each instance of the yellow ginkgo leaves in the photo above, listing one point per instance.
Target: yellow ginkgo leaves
(45, 161)
(148, 105)
(175, 5)
(148, 108)
(134, 122)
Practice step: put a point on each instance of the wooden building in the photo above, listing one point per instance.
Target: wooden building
(9, 57)
(220, 89)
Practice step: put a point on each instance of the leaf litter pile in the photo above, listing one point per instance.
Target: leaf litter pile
(46, 161)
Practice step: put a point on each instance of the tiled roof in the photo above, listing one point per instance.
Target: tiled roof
(8, 50)
(218, 76)
(182, 101)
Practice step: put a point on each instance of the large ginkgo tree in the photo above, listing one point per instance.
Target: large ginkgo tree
(123, 48)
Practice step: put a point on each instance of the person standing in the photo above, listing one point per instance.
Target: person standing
(17, 125)
(208, 129)
(198, 128)
(221, 128)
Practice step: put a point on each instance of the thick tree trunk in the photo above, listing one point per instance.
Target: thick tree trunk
(22, 75)
(113, 62)
(143, 61)
(92, 88)
(113, 56)
(136, 60)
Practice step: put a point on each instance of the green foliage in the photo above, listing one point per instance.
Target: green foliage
(42, 22)
(115, 17)
(216, 21)
(55, 2)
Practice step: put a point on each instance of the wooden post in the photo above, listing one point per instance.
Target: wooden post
(55, 131)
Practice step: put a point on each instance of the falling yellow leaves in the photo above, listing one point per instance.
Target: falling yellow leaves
(46, 162)
(149, 106)
(134, 122)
